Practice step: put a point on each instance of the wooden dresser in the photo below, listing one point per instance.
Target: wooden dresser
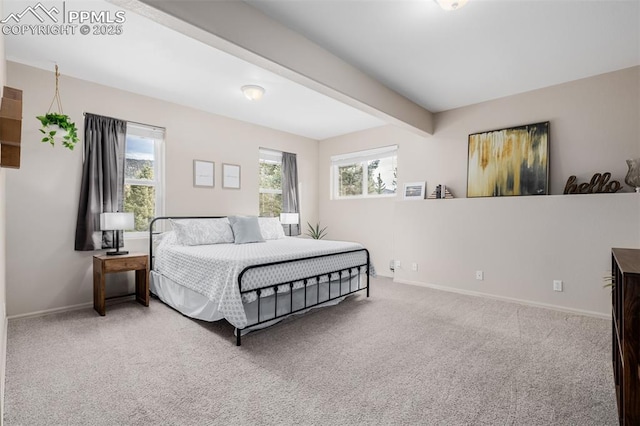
(625, 273)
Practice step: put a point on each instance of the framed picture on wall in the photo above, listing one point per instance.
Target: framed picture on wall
(414, 190)
(203, 174)
(230, 176)
(512, 161)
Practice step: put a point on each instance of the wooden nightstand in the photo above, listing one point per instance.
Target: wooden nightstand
(104, 264)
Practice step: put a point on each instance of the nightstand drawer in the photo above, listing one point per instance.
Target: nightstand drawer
(124, 263)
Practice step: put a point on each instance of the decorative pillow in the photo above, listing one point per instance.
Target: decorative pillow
(195, 232)
(271, 228)
(245, 229)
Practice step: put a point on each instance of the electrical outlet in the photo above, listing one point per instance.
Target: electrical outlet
(557, 285)
(479, 275)
(398, 264)
(414, 266)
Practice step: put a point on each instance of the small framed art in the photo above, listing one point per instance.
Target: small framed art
(203, 174)
(230, 176)
(414, 190)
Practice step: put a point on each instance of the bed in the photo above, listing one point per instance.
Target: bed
(213, 268)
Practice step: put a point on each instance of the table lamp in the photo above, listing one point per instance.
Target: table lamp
(289, 219)
(118, 221)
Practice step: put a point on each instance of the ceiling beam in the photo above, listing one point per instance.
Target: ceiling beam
(245, 32)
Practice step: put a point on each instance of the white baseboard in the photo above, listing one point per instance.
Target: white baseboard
(69, 308)
(504, 298)
(52, 311)
(3, 357)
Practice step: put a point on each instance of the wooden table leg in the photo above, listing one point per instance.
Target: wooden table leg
(98, 288)
(142, 286)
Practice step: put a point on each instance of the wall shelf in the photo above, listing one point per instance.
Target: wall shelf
(10, 127)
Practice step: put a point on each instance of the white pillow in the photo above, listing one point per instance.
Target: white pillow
(166, 238)
(195, 232)
(271, 228)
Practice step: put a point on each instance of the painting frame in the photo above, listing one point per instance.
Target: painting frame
(414, 190)
(513, 161)
(231, 176)
(204, 174)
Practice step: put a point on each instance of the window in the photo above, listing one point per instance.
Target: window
(370, 173)
(143, 167)
(270, 187)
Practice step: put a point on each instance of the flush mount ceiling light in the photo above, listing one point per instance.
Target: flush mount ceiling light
(253, 93)
(451, 4)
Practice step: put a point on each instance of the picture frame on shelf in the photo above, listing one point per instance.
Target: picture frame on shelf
(414, 190)
(508, 162)
(230, 176)
(203, 174)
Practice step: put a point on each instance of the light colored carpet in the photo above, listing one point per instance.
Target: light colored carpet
(407, 355)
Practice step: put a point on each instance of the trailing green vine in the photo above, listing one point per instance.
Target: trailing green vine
(63, 122)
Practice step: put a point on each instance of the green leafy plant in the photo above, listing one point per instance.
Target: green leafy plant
(52, 122)
(608, 281)
(315, 232)
(62, 122)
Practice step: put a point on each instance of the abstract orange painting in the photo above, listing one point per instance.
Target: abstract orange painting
(513, 161)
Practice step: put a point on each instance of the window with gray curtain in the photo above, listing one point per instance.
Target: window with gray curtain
(290, 199)
(270, 183)
(143, 180)
(102, 180)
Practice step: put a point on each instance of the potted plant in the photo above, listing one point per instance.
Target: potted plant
(58, 124)
(315, 232)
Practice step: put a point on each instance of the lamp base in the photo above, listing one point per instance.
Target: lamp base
(116, 253)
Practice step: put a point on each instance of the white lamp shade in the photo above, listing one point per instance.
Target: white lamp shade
(119, 221)
(289, 218)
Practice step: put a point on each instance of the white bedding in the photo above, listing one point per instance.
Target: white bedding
(212, 270)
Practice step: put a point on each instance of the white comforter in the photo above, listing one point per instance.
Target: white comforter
(212, 270)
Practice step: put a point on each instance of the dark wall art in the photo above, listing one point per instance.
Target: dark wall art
(513, 161)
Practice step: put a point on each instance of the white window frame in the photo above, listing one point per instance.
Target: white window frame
(269, 156)
(158, 136)
(359, 157)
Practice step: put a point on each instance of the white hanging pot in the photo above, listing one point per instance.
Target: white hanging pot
(58, 127)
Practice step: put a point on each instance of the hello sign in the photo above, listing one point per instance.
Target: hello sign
(599, 184)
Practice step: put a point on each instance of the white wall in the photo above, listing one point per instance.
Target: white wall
(43, 270)
(3, 255)
(367, 221)
(521, 244)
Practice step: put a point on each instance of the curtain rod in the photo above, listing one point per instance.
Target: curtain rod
(128, 121)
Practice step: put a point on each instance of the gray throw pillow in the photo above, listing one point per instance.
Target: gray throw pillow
(245, 229)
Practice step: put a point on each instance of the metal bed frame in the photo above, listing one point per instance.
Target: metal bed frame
(346, 273)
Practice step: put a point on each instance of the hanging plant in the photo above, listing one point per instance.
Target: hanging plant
(57, 123)
(62, 122)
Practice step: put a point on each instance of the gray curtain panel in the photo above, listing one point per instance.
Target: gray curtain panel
(102, 184)
(290, 203)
